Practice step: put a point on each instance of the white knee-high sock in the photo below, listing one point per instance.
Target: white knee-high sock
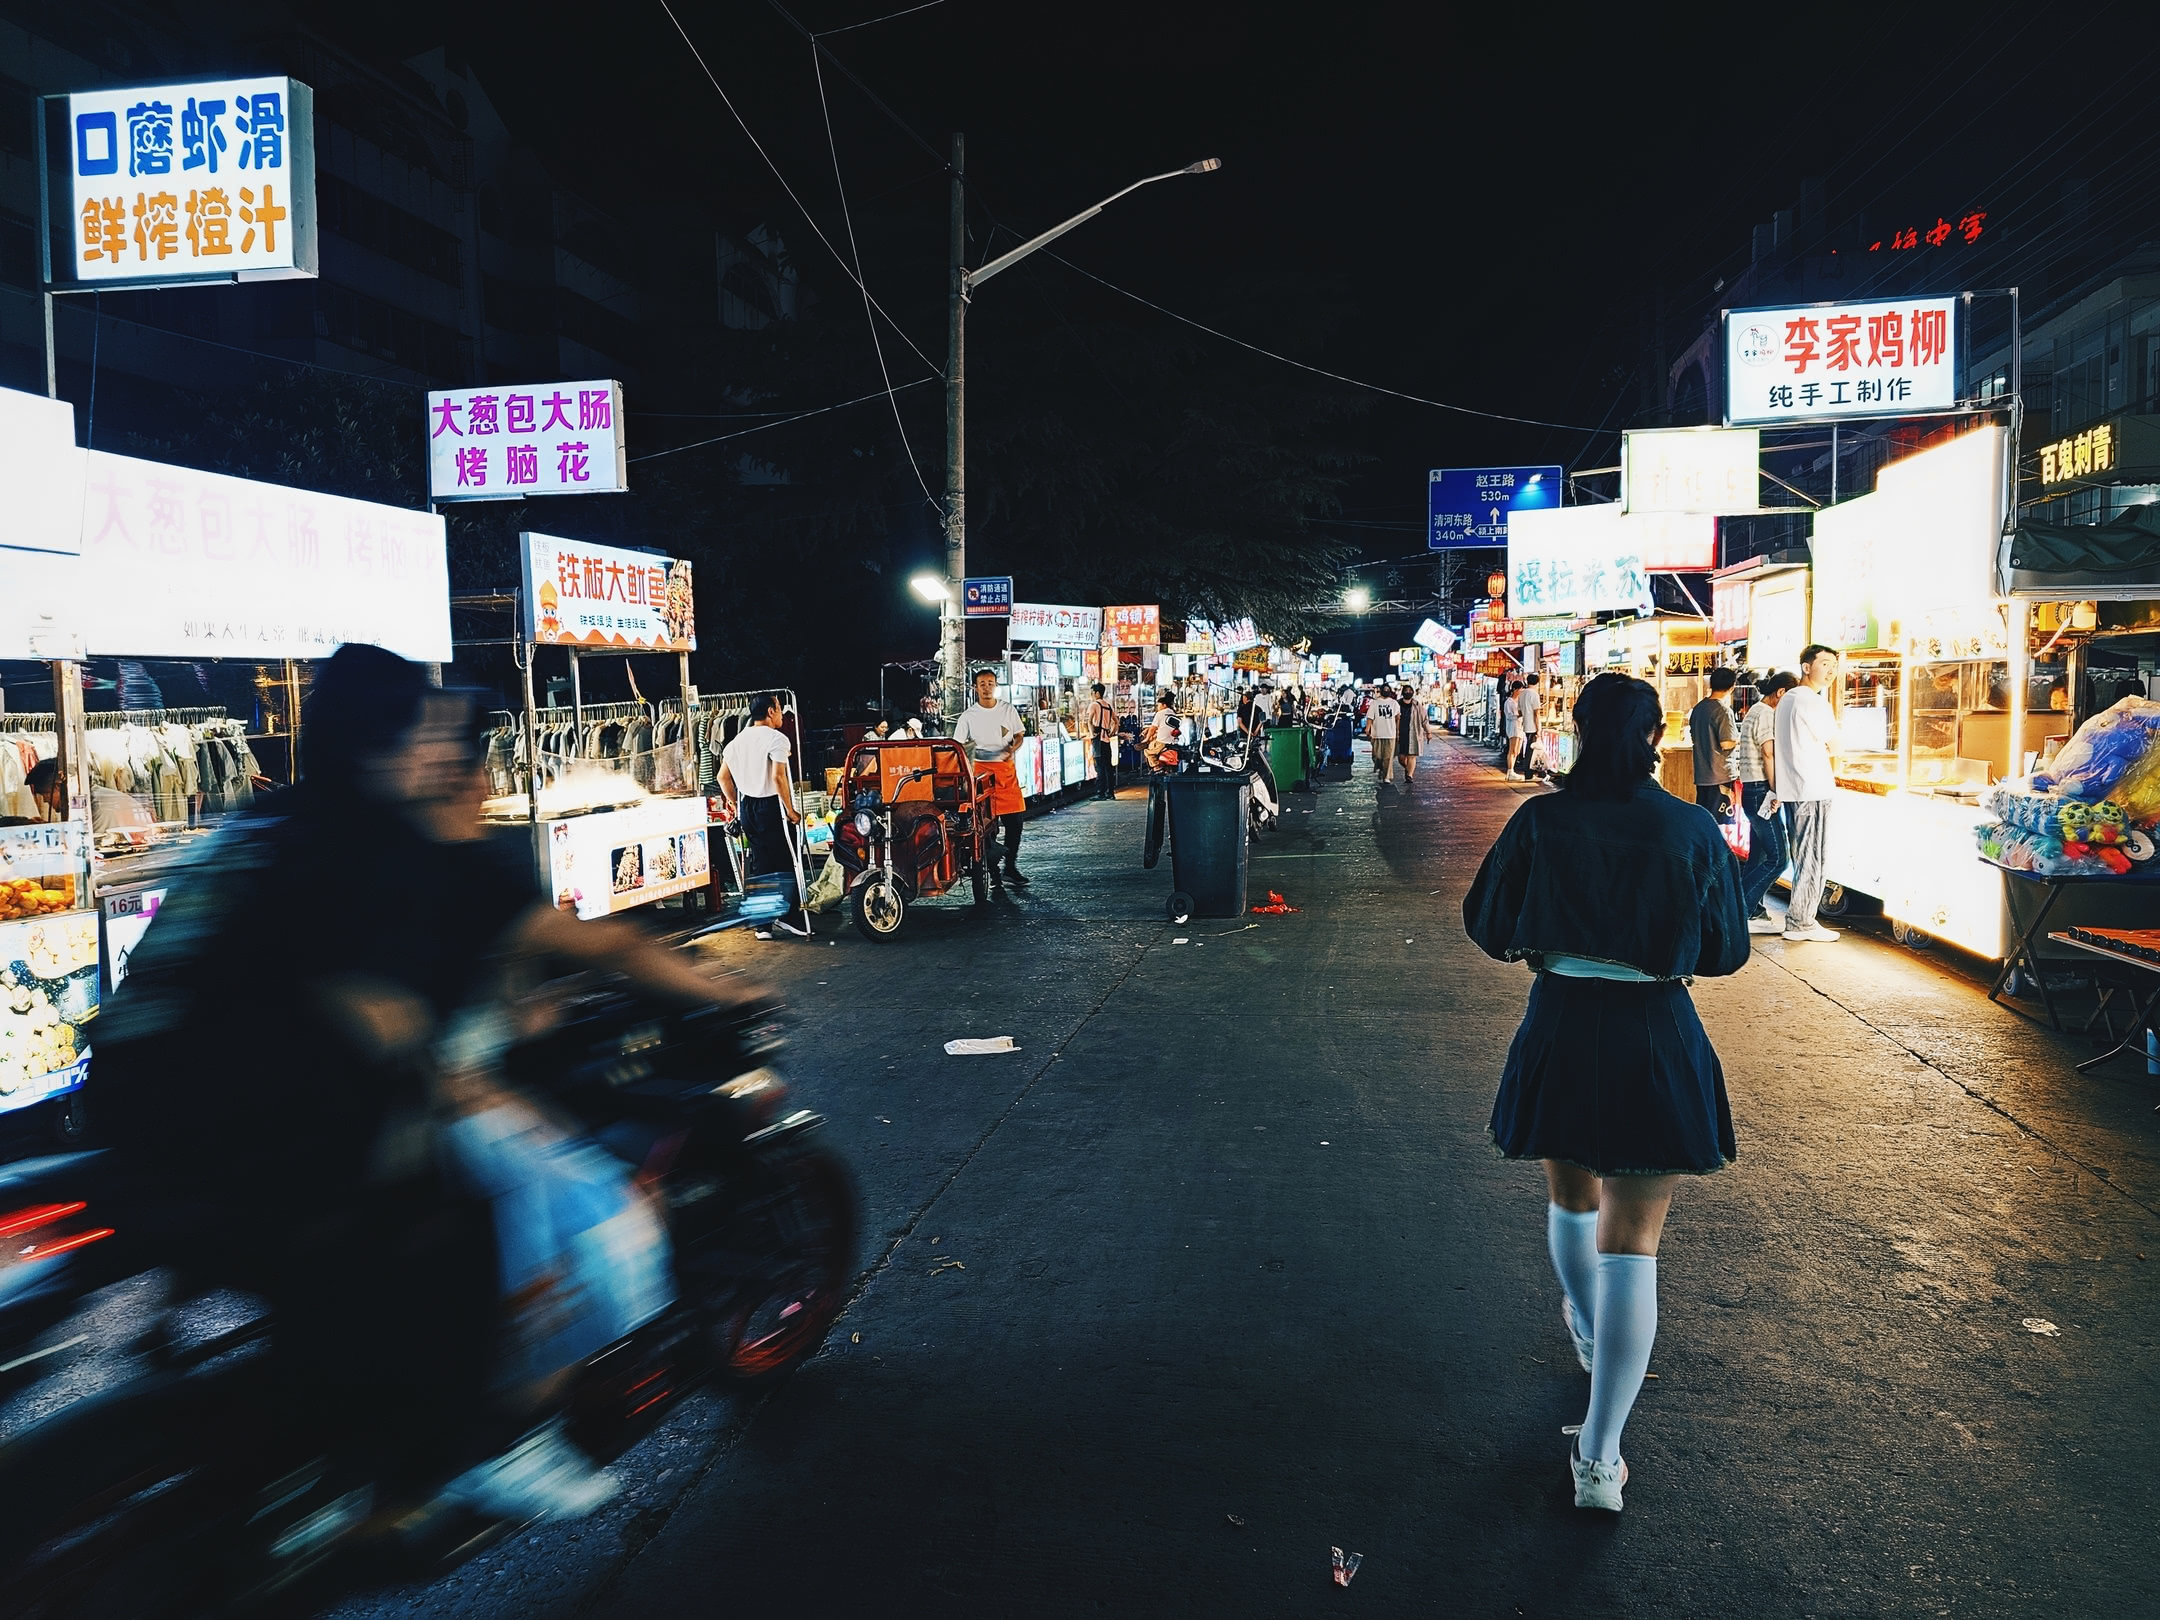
(1626, 1328)
(1571, 1240)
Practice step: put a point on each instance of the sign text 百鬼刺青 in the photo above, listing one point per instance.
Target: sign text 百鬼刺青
(1812, 362)
(1052, 624)
(578, 594)
(532, 439)
(212, 181)
(1469, 506)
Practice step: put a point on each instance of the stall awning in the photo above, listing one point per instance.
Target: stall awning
(2116, 561)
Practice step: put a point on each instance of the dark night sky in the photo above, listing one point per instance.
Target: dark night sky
(1471, 203)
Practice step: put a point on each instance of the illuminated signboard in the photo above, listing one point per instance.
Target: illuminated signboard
(510, 440)
(2081, 455)
(1702, 471)
(1971, 224)
(1813, 362)
(578, 594)
(1139, 626)
(193, 182)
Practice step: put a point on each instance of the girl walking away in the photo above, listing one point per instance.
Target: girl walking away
(1616, 893)
(1415, 731)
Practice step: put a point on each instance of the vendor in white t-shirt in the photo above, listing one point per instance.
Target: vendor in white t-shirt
(755, 782)
(991, 732)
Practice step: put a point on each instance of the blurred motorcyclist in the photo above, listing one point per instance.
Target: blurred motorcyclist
(270, 1073)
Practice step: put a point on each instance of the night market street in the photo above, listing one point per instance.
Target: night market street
(1219, 1272)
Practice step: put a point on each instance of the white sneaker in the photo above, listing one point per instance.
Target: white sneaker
(1765, 925)
(1597, 1484)
(1583, 1342)
(1817, 933)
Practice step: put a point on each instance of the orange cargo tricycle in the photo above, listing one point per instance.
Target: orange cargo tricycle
(912, 824)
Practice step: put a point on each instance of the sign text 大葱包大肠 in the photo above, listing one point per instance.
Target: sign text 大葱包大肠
(501, 441)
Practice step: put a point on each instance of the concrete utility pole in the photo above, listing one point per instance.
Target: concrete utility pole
(952, 628)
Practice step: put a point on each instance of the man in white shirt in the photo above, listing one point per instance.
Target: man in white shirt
(991, 732)
(1381, 721)
(1099, 721)
(1803, 757)
(756, 783)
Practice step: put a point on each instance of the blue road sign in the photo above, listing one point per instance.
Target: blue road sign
(989, 598)
(1470, 505)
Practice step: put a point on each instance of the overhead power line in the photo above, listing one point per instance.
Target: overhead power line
(1319, 371)
(743, 433)
(699, 57)
(849, 28)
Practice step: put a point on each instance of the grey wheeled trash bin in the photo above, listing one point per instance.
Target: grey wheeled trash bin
(1208, 814)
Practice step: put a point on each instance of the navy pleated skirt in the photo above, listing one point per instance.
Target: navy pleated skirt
(1616, 1077)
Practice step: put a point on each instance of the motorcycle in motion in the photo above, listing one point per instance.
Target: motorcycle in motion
(172, 1493)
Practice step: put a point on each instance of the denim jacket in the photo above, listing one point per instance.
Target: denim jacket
(1646, 881)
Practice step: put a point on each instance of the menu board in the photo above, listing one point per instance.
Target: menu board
(615, 859)
(48, 999)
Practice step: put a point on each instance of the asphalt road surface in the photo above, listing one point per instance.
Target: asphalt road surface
(1218, 1271)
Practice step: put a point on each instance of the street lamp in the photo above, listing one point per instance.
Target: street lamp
(930, 588)
(952, 646)
(1357, 599)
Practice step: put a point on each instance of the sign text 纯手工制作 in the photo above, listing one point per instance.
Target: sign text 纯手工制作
(1818, 361)
(212, 181)
(533, 439)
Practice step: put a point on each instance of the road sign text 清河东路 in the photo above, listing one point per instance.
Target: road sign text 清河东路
(990, 597)
(1469, 506)
(1813, 362)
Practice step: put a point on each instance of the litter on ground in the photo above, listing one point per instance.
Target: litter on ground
(976, 1045)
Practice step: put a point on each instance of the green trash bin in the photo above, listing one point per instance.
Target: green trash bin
(1291, 757)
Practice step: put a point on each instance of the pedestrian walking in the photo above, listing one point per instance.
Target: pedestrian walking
(1529, 721)
(1382, 720)
(756, 781)
(1415, 731)
(1754, 765)
(1100, 721)
(1711, 729)
(1805, 749)
(1510, 724)
(1615, 893)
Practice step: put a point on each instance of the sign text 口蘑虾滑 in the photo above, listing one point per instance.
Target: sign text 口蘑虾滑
(1469, 506)
(180, 182)
(500, 442)
(1817, 361)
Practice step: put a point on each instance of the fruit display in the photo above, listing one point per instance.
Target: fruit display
(35, 896)
(48, 998)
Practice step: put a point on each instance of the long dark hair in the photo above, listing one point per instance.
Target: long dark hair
(1616, 722)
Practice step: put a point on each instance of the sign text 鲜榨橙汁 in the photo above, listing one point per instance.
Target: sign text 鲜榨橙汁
(210, 181)
(1469, 506)
(501, 441)
(1811, 362)
(578, 594)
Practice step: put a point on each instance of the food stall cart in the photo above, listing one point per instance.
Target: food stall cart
(1675, 653)
(136, 573)
(1932, 697)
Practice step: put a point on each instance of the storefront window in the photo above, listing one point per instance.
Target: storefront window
(1868, 718)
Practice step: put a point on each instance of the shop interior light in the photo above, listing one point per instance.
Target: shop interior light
(1357, 599)
(930, 588)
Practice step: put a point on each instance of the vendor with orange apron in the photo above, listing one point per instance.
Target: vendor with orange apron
(991, 731)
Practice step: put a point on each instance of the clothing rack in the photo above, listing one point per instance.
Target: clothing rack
(154, 717)
(19, 721)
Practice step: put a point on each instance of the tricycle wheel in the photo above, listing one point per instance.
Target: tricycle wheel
(879, 908)
(1180, 907)
(1835, 901)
